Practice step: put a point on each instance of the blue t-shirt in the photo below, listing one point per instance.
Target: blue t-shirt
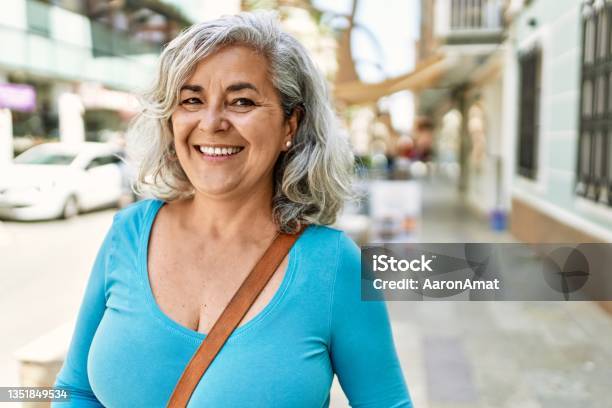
(126, 352)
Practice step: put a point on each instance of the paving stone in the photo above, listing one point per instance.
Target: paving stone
(448, 371)
(499, 354)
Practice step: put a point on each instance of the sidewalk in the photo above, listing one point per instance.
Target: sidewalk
(498, 354)
(4, 235)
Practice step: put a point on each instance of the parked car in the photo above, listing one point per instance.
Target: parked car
(59, 180)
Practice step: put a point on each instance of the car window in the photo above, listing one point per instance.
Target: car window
(43, 156)
(103, 160)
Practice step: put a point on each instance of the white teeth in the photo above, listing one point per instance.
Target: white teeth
(219, 151)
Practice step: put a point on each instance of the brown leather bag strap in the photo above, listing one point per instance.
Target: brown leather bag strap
(233, 313)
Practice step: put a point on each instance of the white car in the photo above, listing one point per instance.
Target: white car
(58, 180)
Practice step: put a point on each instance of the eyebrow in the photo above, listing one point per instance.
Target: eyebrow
(192, 88)
(238, 86)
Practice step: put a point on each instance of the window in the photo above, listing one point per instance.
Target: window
(529, 112)
(593, 168)
(103, 160)
(40, 156)
(38, 17)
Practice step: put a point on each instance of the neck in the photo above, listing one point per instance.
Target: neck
(245, 217)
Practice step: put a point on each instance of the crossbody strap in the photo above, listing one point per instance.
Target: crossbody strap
(233, 313)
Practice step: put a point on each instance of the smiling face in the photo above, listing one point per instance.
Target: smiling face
(229, 126)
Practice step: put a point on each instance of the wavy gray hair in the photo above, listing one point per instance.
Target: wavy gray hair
(312, 180)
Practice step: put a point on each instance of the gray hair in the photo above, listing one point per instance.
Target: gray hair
(312, 180)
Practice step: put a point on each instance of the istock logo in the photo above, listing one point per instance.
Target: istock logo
(566, 270)
(384, 263)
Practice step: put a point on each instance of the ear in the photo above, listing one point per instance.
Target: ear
(291, 126)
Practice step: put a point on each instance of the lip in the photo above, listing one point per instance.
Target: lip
(196, 145)
(210, 158)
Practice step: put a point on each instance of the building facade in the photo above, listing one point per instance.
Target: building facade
(466, 103)
(71, 66)
(558, 57)
(532, 90)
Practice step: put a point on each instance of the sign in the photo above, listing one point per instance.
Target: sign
(19, 97)
(97, 97)
(395, 209)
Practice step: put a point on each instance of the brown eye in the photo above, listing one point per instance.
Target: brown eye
(191, 101)
(243, 102)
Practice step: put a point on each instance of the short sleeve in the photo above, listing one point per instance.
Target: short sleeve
(73, 374)
(361, 342)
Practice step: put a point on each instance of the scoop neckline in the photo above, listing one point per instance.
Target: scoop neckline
(167, 321)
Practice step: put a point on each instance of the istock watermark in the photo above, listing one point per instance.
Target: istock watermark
(483, 271)
(384, 263)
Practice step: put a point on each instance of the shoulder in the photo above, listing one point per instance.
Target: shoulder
(321, 235)
(131, 220)
(128, 232)
(137, 213)
(333, 244)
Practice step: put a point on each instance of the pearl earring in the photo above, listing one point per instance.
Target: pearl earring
(288, 143)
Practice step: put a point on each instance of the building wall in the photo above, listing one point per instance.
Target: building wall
(66, 52)
(59, 53)
(558, 31)
(484, 185)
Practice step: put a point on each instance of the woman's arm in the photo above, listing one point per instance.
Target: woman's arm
(73, 374)
(361, 343)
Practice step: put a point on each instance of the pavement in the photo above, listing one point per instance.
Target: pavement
(498, 354)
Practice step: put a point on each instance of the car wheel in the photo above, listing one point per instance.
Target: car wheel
(71, 208)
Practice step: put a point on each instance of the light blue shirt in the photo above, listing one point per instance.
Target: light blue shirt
(126, 352)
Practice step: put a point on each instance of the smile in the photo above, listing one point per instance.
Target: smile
(218, 153)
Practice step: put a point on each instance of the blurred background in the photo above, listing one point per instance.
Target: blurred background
(470, 120)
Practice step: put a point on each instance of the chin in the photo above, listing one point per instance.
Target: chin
(215, 190)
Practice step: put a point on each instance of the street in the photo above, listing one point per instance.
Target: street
(44, 269)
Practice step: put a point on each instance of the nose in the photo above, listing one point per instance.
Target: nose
(212, 121)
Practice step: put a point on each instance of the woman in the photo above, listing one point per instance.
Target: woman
(236, 142)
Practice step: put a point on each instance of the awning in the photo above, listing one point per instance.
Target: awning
(425, 75)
